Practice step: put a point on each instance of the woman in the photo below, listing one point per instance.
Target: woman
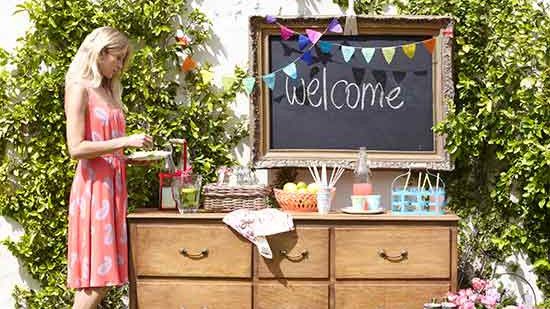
(97, 238)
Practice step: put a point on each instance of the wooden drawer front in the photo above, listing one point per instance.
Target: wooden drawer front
(156, 251)
(307, 254)
(292, 296)
(388, 296)
(193, 294)
(428, 252)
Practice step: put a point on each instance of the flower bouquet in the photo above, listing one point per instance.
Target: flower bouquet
(484, 294)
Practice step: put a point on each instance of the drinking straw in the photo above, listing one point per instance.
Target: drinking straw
(339, 173)
(436, 181)
(419, 179)
(184, 155)
(310, 168)
(324, 174)
(407, 181)
(332, 175)
(429, 182)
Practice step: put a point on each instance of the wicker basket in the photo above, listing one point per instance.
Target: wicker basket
(295, 201)
(224, 198)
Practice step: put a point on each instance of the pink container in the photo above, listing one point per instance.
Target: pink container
(362, 188)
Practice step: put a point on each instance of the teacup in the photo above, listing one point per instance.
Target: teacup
(373, 201)
(358, 202)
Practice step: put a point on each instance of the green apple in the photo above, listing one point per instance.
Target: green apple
(290, 187)
(313, 188)
(302, 190)
(301, 185)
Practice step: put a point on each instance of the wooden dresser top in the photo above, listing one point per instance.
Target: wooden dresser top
(153, 213)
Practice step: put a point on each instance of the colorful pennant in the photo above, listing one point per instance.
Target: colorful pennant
(334, 26)
(188, 64)
(207, 76)
(307, 57)
(347, 52)
(269, 79)
(270, 19)
(368, 53)
(286, 33)
(248, 84)
(325, 47)
(302, 41)
(227, 82)
(430, 45)
(409, 50)
(388, 52)
(313, 35)
(290, 70)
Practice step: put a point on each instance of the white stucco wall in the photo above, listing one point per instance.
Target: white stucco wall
(228, 48)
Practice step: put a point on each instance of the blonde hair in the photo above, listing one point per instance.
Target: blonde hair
(85, 68)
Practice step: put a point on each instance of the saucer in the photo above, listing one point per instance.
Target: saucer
(350, 210)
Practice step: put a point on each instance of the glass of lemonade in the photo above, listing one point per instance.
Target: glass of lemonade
(189, 189)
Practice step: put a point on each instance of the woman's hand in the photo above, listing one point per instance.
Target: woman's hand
(139, 141)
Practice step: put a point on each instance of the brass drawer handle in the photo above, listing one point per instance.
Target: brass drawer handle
(294, 258)
(396, 258)
(203, 253)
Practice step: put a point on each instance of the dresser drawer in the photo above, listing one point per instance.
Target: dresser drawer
(193, 294)
(393, 253)
(296, 295)
(387, 296)
(302, 253)
(190, 251)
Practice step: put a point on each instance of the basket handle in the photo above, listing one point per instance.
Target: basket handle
(437, 178)
(408, 173)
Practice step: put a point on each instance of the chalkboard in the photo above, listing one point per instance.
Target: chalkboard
(333, 107)
(334, 104)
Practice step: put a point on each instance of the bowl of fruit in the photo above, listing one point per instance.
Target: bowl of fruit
(297, 196)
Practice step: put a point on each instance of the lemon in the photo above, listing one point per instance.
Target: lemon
(313, 188)
(290, 187)
(301, 185)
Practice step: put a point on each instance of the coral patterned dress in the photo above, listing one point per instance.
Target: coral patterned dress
(97, 239)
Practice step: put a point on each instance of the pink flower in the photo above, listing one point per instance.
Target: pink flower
(467, 305)
(490, 301)
(479, 284)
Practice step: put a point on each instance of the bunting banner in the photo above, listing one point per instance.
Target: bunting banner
(269, 79)
(248, 84)
(347, 52)
(207, 76)
(290, 70)
(368, 53)
(227, 82)
(188, 64)
(409, 50)
(303, 41)
(313, 37)
(388, 53)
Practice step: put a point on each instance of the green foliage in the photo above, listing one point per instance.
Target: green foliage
(35, 169)
(498, 131)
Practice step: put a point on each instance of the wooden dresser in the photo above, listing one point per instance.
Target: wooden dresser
(335, 261)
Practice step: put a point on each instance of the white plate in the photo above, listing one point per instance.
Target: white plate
(149, 155)
(350, 210)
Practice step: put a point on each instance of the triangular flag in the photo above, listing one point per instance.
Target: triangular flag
(347, 52)
(207, 76)
(409, 50)
(227, 82)
(270, 19)
(290, 70)
(248, 83)
(388, 53)
(313, 35)
(179, 34)
(325, 47)
(334, 26)
(307, 58)
(430, 44)
(188, 64)
(368, 53)
(302, 41)
(269, 79)
(286, 33)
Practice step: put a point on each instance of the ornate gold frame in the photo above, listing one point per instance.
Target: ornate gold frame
(443, 91)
